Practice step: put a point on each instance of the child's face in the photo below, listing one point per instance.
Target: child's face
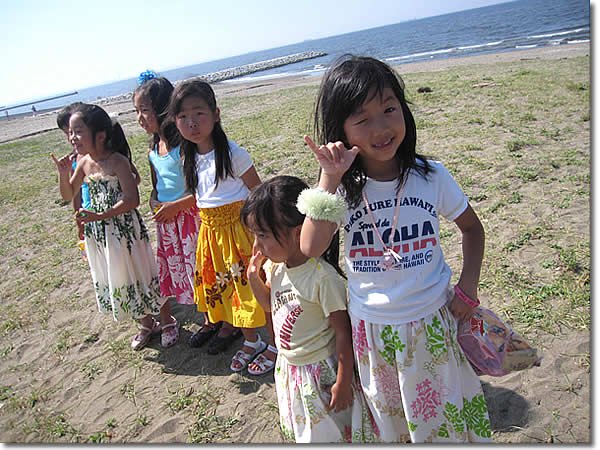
(378, 129)
(269, 246)
(195, 121)
(65, 130)
(80, 135)
(145, 114)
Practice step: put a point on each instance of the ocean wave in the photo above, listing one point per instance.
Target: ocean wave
(421, 54)
(521, 47)
(558, 33)
(487, 44)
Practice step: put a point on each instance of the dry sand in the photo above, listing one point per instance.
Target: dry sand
(523, 405)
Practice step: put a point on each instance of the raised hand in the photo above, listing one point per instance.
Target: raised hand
(334, 158)
(63, 164)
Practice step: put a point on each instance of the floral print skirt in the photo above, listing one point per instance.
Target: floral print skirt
(418, 383)
(176, 255)
(120, 257)
(304, 394)
(221, 287)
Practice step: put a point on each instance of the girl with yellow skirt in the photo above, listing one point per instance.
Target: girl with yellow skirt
(221, 174)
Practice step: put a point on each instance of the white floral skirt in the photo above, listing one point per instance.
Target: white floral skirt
(418, 383)
(120, 256)
(304, 394)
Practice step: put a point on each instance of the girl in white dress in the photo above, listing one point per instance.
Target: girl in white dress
(120, 256)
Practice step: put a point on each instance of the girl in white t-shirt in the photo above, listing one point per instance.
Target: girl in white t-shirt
(220, 174)
(319, 400)
(416, 379)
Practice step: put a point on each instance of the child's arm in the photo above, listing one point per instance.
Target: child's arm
(341, 391)
(473, 243)
(76, 201)
(129, 200)
(76, 207)
(250, 178)
(154, 203)
(67, 183)
(136, 174)
(335, 159)
(260, 288)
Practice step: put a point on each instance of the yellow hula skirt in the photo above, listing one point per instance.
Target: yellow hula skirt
(221, 287)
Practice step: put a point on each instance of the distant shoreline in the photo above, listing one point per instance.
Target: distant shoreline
(25, 125)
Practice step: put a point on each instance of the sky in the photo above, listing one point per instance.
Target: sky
(54, 47)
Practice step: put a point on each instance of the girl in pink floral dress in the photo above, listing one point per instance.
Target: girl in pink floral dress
(319, 398)
(175, 212)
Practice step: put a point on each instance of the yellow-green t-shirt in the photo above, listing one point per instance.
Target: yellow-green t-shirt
(301, 300)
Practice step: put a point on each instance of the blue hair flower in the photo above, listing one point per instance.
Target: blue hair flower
(145, 76)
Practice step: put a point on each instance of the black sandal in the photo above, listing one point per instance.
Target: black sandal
(203, 335)
(219, 344)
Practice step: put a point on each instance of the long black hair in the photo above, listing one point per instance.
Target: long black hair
(202, 90)
(272, 206)
(98, 120)
(345, 87)
(158, 91)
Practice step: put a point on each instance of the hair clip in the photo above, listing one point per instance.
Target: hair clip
(145, 76)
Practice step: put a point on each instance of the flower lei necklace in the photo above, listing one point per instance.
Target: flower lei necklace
(390, 257)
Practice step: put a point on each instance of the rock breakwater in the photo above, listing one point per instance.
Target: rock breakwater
(236, 72)
(228, 74)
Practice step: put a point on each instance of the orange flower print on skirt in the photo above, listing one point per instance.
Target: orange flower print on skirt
(221, 287)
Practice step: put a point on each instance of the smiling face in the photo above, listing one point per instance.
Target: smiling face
(145, 114)
(195, 121)
(378, 128)
(80, 135)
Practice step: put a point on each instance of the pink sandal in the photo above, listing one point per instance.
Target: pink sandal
(143, 337)
(169, 334)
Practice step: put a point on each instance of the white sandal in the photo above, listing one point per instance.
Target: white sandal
(244, 358)
(264, 363)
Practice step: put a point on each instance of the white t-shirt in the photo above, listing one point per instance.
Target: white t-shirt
(416, 286)
(302, 298)
(229, 190)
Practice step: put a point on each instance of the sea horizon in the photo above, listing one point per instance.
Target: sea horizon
(510, 26)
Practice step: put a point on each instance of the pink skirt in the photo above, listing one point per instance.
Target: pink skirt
(176, 255)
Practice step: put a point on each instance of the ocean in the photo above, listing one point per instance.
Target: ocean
(503, 27)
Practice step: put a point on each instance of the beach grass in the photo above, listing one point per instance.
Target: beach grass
(516, 136)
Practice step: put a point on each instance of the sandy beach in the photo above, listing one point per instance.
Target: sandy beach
(68, 375)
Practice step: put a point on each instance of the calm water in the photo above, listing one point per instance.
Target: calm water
(504, 27)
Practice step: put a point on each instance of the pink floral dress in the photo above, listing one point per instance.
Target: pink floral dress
(418, 383)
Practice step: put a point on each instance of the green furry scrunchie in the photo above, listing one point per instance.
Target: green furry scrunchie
(319, 204)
